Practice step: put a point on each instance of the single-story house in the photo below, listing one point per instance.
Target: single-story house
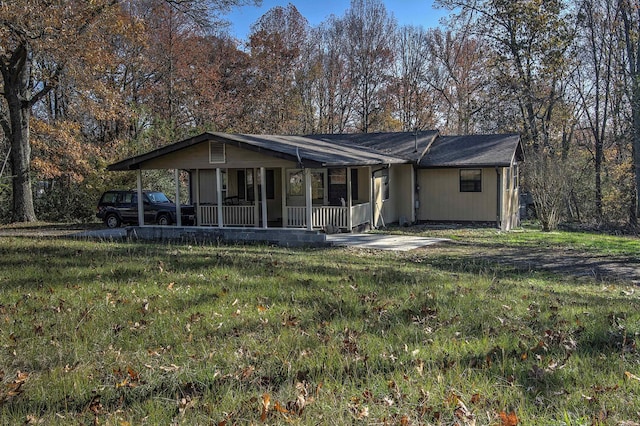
(345, 181)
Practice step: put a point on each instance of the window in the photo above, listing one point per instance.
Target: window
(271, 184)
(246, 182)
(216, 153)
(471, 180)
(337, 190)
(295, 183)
(515, 176)
(317, 186)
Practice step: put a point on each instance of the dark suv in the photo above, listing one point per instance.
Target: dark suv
(118, 207)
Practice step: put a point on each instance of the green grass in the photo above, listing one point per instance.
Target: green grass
(127, 333)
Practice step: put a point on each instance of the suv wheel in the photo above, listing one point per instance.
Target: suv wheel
(112, 221)
(164, 220)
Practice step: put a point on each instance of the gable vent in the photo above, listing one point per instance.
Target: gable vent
(216, 153)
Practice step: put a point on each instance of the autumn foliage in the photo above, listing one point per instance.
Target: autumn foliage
(107, 79)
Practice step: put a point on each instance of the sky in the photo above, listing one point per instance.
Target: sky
(406, 12)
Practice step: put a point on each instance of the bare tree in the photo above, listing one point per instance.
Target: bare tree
(414, 104)
(369, 32)
(460, 73)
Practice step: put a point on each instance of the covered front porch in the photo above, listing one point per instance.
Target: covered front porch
(296, 182)
(319, 198)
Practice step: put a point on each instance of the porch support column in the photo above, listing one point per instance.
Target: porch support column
(283, 184)
(263, 195)
(372, 186)
(349, 201)
(256, 204)
(140, 199)
(197, 198)
(178, 209)
(309, 198)
(219, 196)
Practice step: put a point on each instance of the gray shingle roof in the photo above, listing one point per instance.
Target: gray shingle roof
(321, 151)
(473, 151)
(407, 145)
(362, 149)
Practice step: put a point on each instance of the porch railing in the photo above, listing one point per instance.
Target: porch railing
(231, 215)
(328, 215)
(296, 216)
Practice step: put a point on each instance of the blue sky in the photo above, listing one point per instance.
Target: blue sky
(407, 12)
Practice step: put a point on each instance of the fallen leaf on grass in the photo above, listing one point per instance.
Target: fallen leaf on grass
(15, 387)
(266, 401)
(95, 406)
(509, 419)
(631, 376)
(279, 408)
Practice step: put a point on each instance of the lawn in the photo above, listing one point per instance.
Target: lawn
(122, 333)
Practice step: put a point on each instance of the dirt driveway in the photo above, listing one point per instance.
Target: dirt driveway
(567, 262)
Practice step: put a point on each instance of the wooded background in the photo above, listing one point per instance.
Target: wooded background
(87, 83)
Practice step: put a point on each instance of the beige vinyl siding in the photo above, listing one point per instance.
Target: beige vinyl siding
(399, 203)
(197, 157)
(440, 197)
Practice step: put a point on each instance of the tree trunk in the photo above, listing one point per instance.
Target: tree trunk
(16, 75)
(23, 210)
(636, 148)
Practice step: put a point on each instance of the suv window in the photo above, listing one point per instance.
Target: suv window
(109, 197)
(158, 197)
(126, 198)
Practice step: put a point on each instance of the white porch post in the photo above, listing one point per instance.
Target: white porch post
(256, 204)
(283, 184)
(219, 196)
(140, 200)
(309, 198)
(372, 186)
(178, 210)
(197, 206)
(349, 201)
(263, 195)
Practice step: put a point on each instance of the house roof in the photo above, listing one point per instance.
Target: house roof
(426, 149)
(473, 151)
(310, 151)
(407, 145)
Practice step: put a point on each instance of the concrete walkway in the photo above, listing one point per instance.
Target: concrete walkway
(382, 241)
